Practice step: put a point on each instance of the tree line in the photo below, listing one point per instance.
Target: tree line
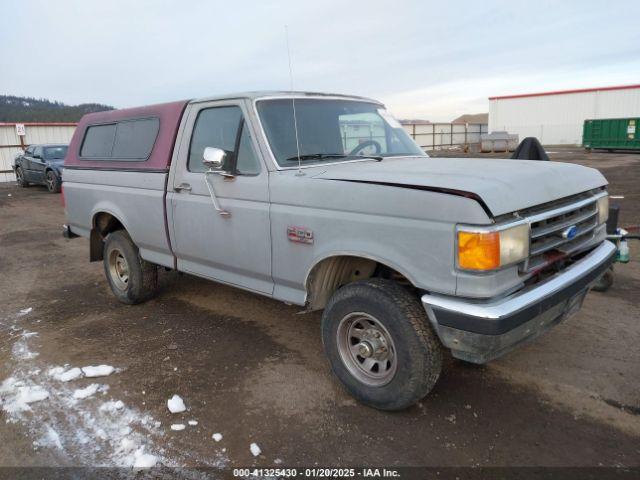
(29, 109)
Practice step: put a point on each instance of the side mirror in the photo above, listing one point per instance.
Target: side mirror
(214, 158)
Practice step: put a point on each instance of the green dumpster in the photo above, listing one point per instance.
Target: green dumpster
(612, 133)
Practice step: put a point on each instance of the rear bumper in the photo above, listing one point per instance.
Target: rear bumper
(479, 331)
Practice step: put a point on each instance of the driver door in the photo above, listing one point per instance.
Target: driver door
(234, 249)
(38, 165)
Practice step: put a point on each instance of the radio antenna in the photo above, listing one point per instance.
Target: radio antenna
(293, 101)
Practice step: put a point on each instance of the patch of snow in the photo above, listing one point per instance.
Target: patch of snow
(255, 449)
(71, 374)
(50, 439)
(86, 392)
(112, 406)
(25, 311)
(18, 396)
(53, 371)
(175, 404)
(193, 423)
(20, 349)
(98, 371)
(127, 444)
(278, 461)
(177, 427)
(217, 437)
(144, 460)
(99, 433)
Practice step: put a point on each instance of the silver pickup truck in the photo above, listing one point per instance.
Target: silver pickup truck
(324, 201)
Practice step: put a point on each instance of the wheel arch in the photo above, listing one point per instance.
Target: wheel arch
(103, 222)
(332, 271)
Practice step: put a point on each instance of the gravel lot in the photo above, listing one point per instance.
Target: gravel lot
(253, 370)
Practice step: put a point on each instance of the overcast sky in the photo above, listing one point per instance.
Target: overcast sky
(430, 60)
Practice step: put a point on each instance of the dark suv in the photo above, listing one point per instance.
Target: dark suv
(42, 165)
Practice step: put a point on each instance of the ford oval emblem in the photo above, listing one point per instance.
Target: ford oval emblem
(570, 232)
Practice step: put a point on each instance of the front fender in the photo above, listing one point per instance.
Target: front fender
(420, 250)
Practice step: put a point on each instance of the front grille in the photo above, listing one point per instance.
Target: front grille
(548, 223)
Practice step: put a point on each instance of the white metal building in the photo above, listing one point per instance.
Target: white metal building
(557, 118)
(11, 143)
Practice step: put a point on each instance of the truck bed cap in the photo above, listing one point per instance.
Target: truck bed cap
(168, 114)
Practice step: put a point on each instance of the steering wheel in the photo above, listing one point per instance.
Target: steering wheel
(363, 145)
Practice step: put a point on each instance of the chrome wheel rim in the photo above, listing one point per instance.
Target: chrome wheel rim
(50, 181)
(19, 175)
(118, 269)
(367, 349)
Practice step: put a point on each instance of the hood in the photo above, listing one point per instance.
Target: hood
(503, 185)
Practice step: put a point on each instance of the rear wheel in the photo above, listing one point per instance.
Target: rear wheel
(20, 178)
(132, 279)
(379, 343)
(52, 181)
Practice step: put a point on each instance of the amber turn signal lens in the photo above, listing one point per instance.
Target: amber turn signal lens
(479, 251)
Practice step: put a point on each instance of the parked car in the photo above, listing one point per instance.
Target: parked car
(324, 201)
(41, 165)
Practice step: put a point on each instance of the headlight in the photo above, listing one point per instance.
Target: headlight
(603, 209)
(491, 248)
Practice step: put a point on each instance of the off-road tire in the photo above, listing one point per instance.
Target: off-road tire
(20, 178)
(52, 181)
(419, 353)
(142, 276)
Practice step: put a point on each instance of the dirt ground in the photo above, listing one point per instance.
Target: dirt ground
(253, 370)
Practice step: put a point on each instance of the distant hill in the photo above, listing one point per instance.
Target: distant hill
(27, 109)
(473, 118)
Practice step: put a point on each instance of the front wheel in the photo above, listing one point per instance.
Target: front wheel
(379, 343)
(132, 279)
(52, 181)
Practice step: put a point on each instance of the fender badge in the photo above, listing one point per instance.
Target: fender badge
(299, 234)
(570, 232)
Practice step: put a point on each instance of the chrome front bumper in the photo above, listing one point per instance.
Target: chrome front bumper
(479, 331)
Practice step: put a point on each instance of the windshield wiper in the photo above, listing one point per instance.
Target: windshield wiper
(320, 156)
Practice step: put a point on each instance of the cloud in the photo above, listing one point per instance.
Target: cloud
(424, 58)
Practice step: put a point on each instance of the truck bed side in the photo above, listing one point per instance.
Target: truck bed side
(103, 193)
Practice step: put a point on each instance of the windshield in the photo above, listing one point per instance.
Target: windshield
(332, 130)
(55, 153)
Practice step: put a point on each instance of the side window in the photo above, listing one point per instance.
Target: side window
(98, 141)
(248, 162)
(126, 140)
(134, 139)
(214, 127)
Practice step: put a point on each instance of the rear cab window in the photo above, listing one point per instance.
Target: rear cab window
(125, 140)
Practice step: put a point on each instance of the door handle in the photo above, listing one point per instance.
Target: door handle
(183, 187)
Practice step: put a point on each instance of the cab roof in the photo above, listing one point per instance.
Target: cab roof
(255, 95)
(169, 115)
